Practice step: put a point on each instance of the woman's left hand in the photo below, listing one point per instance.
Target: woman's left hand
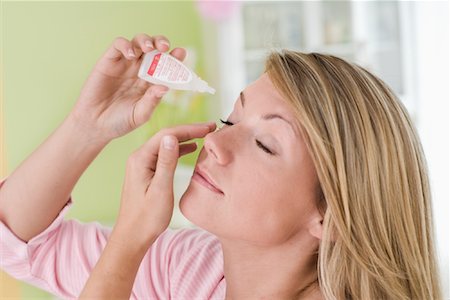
(145, 210)
(147, 196)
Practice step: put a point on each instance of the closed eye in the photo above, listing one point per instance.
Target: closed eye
(264, 148)
(258, 143)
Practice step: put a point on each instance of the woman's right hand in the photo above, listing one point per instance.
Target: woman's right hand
(114, 100)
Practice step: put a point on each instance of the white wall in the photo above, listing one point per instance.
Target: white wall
(426, 68)
(432, 50)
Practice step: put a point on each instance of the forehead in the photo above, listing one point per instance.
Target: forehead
(262, 95)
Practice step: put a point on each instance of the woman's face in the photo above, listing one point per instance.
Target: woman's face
(265, 181)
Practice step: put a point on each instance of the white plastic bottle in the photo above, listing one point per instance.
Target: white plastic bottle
(164, 69)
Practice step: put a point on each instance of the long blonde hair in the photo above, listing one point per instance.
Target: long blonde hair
(378, 237)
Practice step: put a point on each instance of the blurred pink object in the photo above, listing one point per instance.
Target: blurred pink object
(217, 10)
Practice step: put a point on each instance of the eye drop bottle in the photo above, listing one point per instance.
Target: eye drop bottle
(164, 69)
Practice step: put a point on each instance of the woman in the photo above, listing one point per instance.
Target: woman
(315, 188)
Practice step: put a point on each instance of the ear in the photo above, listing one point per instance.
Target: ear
(316, 228)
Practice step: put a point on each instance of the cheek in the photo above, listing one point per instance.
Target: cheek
(261, 210)
(199, 206)
(260, 206)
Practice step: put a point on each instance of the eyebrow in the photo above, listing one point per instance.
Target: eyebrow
(269, 116)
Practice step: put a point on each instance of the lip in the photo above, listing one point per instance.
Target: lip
(204, 179)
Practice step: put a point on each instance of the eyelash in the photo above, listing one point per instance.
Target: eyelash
(258, 143)
(226, 122)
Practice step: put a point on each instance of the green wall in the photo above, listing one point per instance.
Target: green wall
(48, 51)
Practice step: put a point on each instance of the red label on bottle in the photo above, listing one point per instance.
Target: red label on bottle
(154, 64)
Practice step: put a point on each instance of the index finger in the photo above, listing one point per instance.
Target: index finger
(183, 133)
(120, 47)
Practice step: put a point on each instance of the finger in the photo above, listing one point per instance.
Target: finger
(161, 42)
(179, 53)
(183, 150)
(143, 43)
(137, 175)
(147, 154)
(144, 108)
(183, 133)
(121, 47)
(143, 85)
(187, 148)
(162, 182)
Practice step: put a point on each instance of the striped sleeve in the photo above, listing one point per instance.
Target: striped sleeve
(181, 264)
(60, 259)
(197, 266)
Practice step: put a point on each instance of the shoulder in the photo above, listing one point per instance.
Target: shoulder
(189, 241)
(176, 261)
(192, 237)
(196, 264)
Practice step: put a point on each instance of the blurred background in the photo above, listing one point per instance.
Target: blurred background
(49, 48)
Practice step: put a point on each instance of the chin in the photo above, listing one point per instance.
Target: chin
(196, 207)
(190, 206)
(185, 204)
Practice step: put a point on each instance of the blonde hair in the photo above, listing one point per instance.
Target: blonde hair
(378, 237)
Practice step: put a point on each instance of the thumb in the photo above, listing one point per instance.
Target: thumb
(147, 104)
(162, 182)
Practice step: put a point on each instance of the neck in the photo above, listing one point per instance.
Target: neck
(286, 271)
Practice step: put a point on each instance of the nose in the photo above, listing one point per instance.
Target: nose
(219, 145)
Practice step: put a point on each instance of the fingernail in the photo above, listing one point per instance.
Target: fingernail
(131, 53)
(168, 142)
(149, 44)
(164, 42)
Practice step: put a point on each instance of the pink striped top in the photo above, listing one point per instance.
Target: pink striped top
(181, 264)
